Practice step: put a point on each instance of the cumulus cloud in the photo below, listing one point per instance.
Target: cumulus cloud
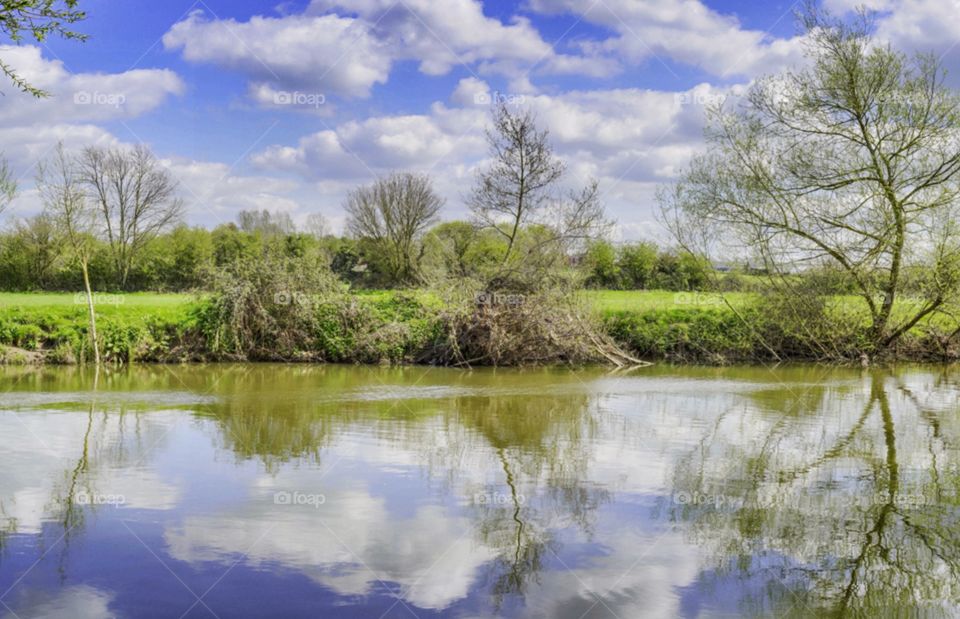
(318, 54)
(442, 35)
(81, 97)
(360, 149)
(686, 31)
(214, 193)
(338, 48)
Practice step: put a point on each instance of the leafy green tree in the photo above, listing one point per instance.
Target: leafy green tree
(600, 265)
(854, 159)
(637, 263)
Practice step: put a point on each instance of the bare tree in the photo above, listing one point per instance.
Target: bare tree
(518, 193)
(394, 212)
(317, 225)
(65, 202)
(266, 223)
(854, 161)
(135, 197)
(517, 185)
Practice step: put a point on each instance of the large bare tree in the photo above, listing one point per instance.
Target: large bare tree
(66, 203)
(136, 198)
(519, 193)
(394, 212)
(853, 161)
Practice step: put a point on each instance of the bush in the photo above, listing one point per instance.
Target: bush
(263, 308)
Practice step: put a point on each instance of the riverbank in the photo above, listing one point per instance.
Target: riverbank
(405, 327)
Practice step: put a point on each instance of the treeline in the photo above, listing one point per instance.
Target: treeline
(32, 257)
(645, 266)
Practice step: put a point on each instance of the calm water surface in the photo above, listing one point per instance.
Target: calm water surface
(286, 492)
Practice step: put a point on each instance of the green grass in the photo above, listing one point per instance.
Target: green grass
(67, 299)
(648, 300)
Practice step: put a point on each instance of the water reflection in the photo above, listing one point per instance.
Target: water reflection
(291, 491)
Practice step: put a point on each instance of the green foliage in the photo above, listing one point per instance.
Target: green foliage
(600, 262)
(687, 335)
(637, 263)
(641, 266)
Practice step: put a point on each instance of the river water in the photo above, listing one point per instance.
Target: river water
(235, 491)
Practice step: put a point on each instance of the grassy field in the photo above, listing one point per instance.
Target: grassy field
(601, 300)
(65, 299)
(647, 300)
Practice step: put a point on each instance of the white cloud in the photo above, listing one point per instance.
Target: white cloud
(323, 54)
(77, 602)
(344, 49)
(30, 128)
(471, 91)
(80, 97)
(361, 149)
(929, 25)
(214, 193)
(443, 35)
(846, 6)
(686, 31)
(347, 543)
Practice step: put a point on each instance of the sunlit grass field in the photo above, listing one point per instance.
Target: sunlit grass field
(63, 299)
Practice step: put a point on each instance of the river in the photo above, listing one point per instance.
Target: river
(238, 491)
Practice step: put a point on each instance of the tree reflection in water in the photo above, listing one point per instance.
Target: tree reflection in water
(831, 514)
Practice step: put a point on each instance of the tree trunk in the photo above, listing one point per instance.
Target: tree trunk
(93, 315)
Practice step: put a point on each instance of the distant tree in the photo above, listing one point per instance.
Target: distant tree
(188, 259)
(637, 263)
(600, 265)
(394, 212)
(135, 197)
(519, 190)
(317, 225)
(38, 19)
(266, 223)
(40, 243)
(853, 160)
(449, 245)
(60, 184)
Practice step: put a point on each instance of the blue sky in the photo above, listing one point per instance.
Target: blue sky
(287, 106)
